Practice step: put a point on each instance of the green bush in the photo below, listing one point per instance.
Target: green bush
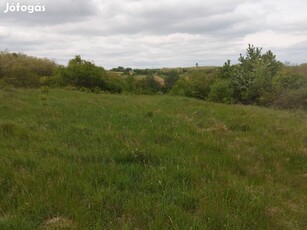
(85, 74)
(292, 99)
(183, 87)
(130, 84)
(113, 83)
(170, 80)
(148, 85)
(196, 84)
(81, 73)
(289, 80)
(21, 70)
(221, 91)
(4, 84)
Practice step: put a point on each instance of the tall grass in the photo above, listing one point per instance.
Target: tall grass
(96, 161)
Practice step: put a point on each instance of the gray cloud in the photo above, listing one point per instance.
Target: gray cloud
(55, 12)
(295, 54)
(156, 33)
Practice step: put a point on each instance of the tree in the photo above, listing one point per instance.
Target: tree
(226, 71)
(83, 73)
(252, 79)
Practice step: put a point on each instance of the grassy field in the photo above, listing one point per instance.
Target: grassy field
(98, 161)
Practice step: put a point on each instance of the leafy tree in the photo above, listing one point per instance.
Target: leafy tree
(252, 79)
(85, 74)
(146, 71)
(81, 73)
(122, 69)
(118, 69)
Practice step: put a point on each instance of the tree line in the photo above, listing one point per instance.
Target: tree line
(257, 79)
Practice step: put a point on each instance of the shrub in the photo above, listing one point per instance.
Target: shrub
(21, 70)
(292, 99)
(171, 79)
(183, 87)
(85, 74)
(4, 84)
(196, 84)
(221, 91)
(130, 84)
(289, 80)
(113, 83)
(147, 85)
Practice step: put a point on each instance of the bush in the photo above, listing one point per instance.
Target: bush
(21, 70)
(287, 80)
(85, 74)
(113, 83)
(171, 79)
(196, 85)
(81, 73)
(221, 91)
(130, 84)
(4, 84)
(183, 87)
(148, 85)
(292, 99)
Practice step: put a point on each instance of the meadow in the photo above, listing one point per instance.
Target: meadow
(107, 161)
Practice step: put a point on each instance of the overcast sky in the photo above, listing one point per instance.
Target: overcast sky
(156, 33)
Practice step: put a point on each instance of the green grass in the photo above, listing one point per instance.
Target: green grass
(98, 161)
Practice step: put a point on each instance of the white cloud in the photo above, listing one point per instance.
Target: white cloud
(274, 39)
(157, 33)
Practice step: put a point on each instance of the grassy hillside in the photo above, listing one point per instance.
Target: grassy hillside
(96, 161)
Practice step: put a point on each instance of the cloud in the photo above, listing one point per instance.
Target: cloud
(156, 33)
(271, 38)
(55, 12)
(295, 54)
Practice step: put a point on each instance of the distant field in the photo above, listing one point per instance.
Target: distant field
(99, 161)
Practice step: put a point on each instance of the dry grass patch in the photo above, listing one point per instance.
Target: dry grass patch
(59, 223)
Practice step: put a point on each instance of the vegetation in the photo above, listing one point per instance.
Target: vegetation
(103, 161)
(258, 79)
(196, 84)
(262, 80)
(85, 74)
(252, 79)
(72, 159)
(20, 70)
(221, 91)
